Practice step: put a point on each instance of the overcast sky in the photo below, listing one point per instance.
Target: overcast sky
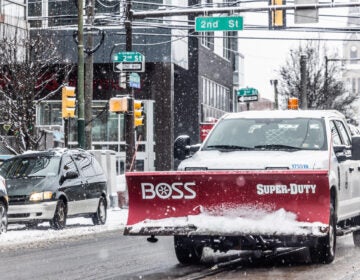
(264, 57)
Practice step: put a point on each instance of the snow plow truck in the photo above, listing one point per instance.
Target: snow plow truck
(261, 180)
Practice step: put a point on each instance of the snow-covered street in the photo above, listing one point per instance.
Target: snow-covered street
(20, 234)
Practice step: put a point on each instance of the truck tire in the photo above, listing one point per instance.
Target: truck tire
(356, 238)
(187, 252)
(324, 251)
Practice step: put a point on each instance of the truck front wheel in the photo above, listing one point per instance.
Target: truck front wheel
(356, 238)
(187, 251)
(324, 251)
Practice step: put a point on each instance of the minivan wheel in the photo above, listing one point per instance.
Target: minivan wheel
(3, 217)
(59, 220)
(99, 218)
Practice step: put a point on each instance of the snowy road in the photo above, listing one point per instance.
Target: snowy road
(83, 251)
(19, 235)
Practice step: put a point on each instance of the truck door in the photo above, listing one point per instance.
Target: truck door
(346, 169)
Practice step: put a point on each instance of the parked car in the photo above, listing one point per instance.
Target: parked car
(3, 206)
(54, 185)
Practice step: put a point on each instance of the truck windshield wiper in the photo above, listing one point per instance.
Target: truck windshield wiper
(276, 147)
(227, 147)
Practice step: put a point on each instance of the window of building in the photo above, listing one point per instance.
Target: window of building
(106, 126)
(353, 54)
(353, 85)
(14, 8)
(216, 100)
(227, 45)
(207, 40)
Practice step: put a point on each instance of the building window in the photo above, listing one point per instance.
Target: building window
(207, 40)
(216, 100)
(353, 54)
(227, 45)
(62, 13)
(353, 85)
(14, 8)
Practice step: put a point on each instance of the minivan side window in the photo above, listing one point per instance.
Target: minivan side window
(67, 164)
(84, 162)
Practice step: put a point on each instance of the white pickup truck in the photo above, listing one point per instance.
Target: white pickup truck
(300, 170)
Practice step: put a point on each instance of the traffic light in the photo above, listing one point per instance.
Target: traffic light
(119, 104)
(277, 18)
(138, 113)
(68, 102)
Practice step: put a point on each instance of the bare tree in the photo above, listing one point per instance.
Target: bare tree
(27, 67)
(325, 89)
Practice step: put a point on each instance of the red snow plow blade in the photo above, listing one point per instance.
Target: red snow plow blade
(227, 202)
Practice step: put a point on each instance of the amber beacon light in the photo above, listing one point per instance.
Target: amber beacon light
(293, 103)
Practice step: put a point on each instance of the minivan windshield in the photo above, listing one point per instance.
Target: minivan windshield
(26, 167)
(268, 134)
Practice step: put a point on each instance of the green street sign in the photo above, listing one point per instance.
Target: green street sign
(247, 91)
(128, 57)
(232, 23)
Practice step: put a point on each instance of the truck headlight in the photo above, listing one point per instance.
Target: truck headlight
(41, 196)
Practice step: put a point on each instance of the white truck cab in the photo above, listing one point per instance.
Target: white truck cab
(288, 140)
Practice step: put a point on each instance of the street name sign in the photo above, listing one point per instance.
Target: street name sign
(128, 57)
(247, 98)
(207, 24)
(247, 94)
(128, 62)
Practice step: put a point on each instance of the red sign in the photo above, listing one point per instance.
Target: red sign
(205, 129)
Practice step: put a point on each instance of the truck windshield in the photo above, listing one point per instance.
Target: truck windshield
(26, 167)
(268, 134)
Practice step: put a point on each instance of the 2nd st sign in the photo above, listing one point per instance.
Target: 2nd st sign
(232, 23)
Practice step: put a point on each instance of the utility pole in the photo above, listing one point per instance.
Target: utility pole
(89, 73)
(129, 116)
(303, 82)
(276, 94)
(80, 74)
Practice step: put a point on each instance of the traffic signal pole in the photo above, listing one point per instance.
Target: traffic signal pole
(129, 116)
(80, 77)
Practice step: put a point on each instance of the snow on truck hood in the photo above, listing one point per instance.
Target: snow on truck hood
(247, 160)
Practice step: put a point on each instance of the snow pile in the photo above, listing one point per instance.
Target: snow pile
(245, 220)
(19, 234)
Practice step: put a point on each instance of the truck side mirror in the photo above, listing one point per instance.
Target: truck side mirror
(355, 147)
(182, 147)
(340, 152)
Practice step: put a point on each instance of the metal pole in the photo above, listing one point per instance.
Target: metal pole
(89, 73)
(276, 94)
(80, 78)
(326, 83)
(129, 116)
(66, 132)
(303, 82)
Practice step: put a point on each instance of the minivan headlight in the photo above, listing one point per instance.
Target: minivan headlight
(41, 196)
